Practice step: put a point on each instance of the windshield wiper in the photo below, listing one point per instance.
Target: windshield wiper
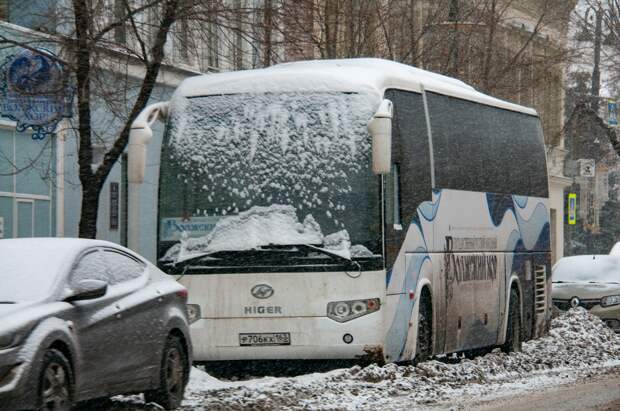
(333, 255)
(7, 302)
(217, 257)
(267, 256)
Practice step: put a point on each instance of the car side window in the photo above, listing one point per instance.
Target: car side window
(122, 267)
(90, 266)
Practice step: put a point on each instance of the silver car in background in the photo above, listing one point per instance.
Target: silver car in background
(615, 250)
(85, 319)
(591, 282)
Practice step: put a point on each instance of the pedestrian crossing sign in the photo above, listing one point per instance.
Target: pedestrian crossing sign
(572, 208)
(612, 108)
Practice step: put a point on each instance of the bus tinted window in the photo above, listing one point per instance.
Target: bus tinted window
(410, 150)
(411, 175)
(487, 149)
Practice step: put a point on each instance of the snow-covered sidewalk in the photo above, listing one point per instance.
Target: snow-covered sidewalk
(578, 345)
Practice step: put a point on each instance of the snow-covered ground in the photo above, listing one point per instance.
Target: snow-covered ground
(578, 345)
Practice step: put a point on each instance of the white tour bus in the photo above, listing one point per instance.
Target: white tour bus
(349, 209)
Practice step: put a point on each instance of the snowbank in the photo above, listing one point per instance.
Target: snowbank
(577, 343)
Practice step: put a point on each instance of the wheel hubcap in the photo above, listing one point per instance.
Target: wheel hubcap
(55, 388)
(174, 373)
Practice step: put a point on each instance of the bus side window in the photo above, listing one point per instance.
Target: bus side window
(486, 149)
(409, 183)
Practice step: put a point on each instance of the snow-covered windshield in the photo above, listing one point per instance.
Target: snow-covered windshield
(248, 171)
(588, 268)
(28, 269)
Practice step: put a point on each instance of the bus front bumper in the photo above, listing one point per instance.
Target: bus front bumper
(308, 338)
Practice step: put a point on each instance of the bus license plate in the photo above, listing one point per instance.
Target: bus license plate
(248, 339)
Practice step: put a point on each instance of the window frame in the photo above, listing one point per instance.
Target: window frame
(79, 258)
(127, 255)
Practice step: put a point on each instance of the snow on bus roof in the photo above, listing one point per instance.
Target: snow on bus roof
(369, 75)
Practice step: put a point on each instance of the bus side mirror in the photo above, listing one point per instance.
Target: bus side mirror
(380, 128)
(139, 137)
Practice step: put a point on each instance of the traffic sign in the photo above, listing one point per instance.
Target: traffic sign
(587, 167)
(612, 109)
(572, 208)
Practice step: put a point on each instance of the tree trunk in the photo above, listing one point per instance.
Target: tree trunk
(596, 71)
(88, 220)
(268, 21)
(92, 182)
(90, 209)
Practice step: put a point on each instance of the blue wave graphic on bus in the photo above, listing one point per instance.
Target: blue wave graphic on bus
(428, 209)
(397, 334)
(520, 200)
(514, 224)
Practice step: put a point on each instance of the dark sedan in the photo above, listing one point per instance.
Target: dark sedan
(86, 319)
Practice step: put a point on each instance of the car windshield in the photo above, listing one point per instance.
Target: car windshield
(28, 269)
(588, 269)
(257, 174)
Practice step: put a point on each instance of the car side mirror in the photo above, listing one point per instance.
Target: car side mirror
(88, 290)
(380, 128)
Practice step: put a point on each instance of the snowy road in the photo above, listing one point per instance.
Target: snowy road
(578, 348)
(600, 393)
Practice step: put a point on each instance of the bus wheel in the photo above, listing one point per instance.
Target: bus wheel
(424, 344)
(513, 332)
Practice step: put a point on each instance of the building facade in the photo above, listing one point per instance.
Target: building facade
(514, 52)
(40, 190)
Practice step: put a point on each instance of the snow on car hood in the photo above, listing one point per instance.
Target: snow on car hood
(584, 290)
(17, 316)
(588, 269)
(264, 226)
(6, 309)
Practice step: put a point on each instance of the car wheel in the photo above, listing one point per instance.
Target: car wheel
(424, 343)
(513, 332)
(173, 376)
(55, 382)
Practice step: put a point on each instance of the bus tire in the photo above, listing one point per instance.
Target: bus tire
(513, 331)
(424, 343)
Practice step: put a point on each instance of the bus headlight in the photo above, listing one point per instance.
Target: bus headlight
(343, 311)
(193, 313)
(610, 300)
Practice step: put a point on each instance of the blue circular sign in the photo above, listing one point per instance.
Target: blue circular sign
(36, 91)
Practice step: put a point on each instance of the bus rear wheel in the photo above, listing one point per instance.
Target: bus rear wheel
(424, 344)
(513, 341)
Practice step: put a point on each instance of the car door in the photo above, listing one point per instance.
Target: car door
(140, 318)
(98, 325)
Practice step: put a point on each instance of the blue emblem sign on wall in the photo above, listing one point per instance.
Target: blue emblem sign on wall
(36, 91)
